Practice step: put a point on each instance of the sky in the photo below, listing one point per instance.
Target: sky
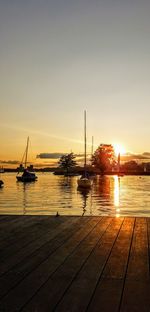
(60, 57)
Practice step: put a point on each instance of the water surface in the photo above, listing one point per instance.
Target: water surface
(110, 195)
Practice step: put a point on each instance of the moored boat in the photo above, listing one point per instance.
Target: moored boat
(84, 181)
(27, 176)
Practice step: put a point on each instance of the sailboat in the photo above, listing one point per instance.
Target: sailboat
(84, 181)
(27, 176)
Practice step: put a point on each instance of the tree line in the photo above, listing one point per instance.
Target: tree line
(104, 160)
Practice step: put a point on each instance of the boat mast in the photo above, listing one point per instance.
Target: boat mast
(118, 162)
(85, 139)
(26, 156)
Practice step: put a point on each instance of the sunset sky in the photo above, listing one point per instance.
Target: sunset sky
(60, 57)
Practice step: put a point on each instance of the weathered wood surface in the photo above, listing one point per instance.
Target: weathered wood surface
(74, 264)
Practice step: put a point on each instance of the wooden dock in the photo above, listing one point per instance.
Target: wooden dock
(75, 264)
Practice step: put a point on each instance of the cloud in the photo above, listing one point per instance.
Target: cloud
(55, 155)
(147, 154)
(130, 156)
(49, 155)
(10, 162)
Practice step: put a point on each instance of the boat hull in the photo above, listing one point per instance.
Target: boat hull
(26, 179)
(84, 183)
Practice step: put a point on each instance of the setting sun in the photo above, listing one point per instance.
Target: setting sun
(119, 149)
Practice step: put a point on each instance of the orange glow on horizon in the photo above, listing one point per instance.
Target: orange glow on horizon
(119, 149)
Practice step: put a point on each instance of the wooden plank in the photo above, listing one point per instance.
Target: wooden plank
(138, 267)
(24, 291)
(85, 282)
(136, 294)
(30, 262)
(20, 222)
(75, 266)
(14, 232)
(18, 225)
(6, 239)
(107, 296)
(117, 262)
(77, 277)
(7, 218)
(28, 250)
(114, 272)
(35, 230)
(14, 222)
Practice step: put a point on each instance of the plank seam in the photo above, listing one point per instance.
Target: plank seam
(44, 260)
(78, 272)
(30, 243)
(124, 281)
(61, 263)
(104, 266)
(3, 296)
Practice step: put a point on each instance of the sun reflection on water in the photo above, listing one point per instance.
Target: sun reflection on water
(117, 195)
(110, 195)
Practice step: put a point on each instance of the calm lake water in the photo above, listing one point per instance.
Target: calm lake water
(110, 195)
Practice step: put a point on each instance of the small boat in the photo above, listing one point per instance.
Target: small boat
(1, 183)
(84, 181)
(27, 176)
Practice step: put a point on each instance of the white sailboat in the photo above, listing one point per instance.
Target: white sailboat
(27, 176)
(84, 181)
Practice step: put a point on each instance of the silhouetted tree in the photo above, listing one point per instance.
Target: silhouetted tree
(104, 158)
(131, 166)
(67, 162)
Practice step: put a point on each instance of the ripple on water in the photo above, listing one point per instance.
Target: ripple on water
(110, 195)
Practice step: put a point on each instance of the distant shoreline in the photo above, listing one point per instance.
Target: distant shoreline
(129, 173)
